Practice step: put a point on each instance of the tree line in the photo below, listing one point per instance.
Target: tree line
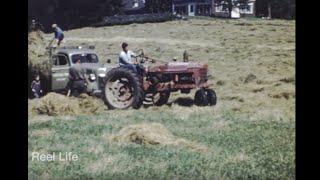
(285, 9)
(76, 13)
(71, 13)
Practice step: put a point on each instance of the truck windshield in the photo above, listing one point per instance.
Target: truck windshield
(85, 58)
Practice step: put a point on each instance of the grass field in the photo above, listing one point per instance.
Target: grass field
(250, 134)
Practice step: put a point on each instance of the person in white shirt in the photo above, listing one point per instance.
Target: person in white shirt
(128, 59)
(125, 56)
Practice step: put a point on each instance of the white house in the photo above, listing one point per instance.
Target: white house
(221, 9)
(192, 7)
(210, 7)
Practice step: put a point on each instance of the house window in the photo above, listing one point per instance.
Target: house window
(191, 8)
(247, 9)
(223, 7)
(135, 4)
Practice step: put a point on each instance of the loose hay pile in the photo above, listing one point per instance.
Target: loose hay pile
(54, 104)
(91, 105)
(154, 134)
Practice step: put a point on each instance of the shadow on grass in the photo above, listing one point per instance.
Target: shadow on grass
(184, 101)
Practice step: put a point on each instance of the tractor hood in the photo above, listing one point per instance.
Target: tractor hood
(179, 67)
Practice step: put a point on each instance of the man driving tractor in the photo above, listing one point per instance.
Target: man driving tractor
(125, 59)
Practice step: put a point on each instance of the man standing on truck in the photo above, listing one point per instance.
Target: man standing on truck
(77, 79)
(125, 59)
(58, 34)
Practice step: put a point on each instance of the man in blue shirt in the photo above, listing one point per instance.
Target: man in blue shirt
(58, 34)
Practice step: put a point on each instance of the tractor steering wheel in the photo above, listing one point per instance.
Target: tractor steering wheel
(141, 56)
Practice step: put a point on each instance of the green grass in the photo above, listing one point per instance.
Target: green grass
(239, 148)
(250, 133)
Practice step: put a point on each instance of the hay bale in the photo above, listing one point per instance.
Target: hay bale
(152, 134)
(54, 104)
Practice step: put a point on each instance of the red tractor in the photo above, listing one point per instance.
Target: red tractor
(122, 88)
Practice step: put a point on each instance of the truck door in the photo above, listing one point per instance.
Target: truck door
(60, 72)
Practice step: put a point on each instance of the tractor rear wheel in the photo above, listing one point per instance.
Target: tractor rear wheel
(212, 97)
(122, 89)
(200, 98)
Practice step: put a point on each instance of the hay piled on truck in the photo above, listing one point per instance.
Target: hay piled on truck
(38, 59)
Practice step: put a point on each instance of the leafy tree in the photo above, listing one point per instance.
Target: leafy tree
(158, 6)
(276, 8)
(71, 13)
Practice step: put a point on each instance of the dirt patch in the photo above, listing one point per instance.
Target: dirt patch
(221, 83)
(54, 104)
(236, 109)
(41, 132)
(259, 81)
(288, 80)
(230, 98)
(285, 95)
(258, 90)
(243, 24)
(250, 77)
(153, 134)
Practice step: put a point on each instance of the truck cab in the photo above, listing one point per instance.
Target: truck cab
(64, 58)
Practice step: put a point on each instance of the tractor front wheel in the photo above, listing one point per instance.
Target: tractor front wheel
(200, 98)
(212, 97)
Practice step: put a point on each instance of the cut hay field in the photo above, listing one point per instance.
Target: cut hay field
(249, 134)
